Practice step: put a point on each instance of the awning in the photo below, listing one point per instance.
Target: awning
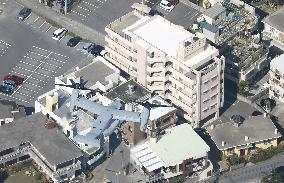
(146, 157)
(141, 7)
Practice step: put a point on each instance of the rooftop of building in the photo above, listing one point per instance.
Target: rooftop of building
(214, 11)
(159, 111)
(10, 109)
(252, 124)
(92, 73)
(190, 145)
(51, 143)
(129, 92)
(277, 63)
(162, 34)
(276, 20)
(167, 152)
(124, 22)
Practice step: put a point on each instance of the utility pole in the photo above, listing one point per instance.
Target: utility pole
(65, 7)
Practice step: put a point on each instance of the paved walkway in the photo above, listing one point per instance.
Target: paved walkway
(73, 26)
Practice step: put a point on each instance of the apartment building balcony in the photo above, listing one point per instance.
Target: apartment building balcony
(15, 154)
(115, 43)
(156, 86)
(119, 56)
(155, 60)
(154, 69)
(155, 78)
(40, 162)
(69, 168)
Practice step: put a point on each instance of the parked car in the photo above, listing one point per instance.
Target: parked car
(173, 2)
(155, 12)
(18, 80)
(88, 47)
(59, 34)
(166, 5)
(6, 90)
(10, 84)
(74, 41)
(97, 50)
(24, 13)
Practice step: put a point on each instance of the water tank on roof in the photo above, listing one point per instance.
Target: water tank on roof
(195, 25)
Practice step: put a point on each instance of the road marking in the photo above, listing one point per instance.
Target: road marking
(90, 4)
(51, 52)
(84, 9)
(48, 57)
(42, 24)
(78, 13)
(34, 20)
(27, 17)
(33, 91)
(48, 29)
(32, 72)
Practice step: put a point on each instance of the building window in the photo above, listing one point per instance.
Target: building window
(134, 59)
(134, 50)
(214, 78)
(205, 101)
(205, 110)
(206, 82)
(213, 106)
(214, 87)
(206, 91)
(214, 97)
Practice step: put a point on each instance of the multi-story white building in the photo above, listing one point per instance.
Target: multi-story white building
(274, 29)
(171, 62)
(276, 81)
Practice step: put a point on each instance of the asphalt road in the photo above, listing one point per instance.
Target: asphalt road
(26, 49)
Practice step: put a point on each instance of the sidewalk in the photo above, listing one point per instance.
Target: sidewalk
(71, 25)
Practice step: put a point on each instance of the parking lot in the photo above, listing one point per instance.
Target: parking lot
(3, 47)
(97, 14)
(38, 67)
(28, 50)
(182, 14)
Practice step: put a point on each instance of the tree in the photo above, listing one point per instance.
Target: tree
(243, 87)
(178, 179)
(38, 176)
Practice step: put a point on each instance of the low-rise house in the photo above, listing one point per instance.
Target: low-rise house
(243, 129)
(162, 116)
(99, 74)
(274, 28)
(37, 138)
(276, 78)
(215, 14)
(178, 151)
(10, 111)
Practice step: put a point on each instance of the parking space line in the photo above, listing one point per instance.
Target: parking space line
(21, 74)
(26, 63)
(79, 13)
(84, 9)
(51, 52)
(20, 93)
(42, 24)
(34, 84)
(27, 17)
(34, 20)
(48, 29)
(47, 70)
(47, 57)
(41, 61)
(29, 89)
(32, 72)
(90, 4)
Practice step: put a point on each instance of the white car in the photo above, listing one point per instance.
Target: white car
(166, 5)
(59, 34)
